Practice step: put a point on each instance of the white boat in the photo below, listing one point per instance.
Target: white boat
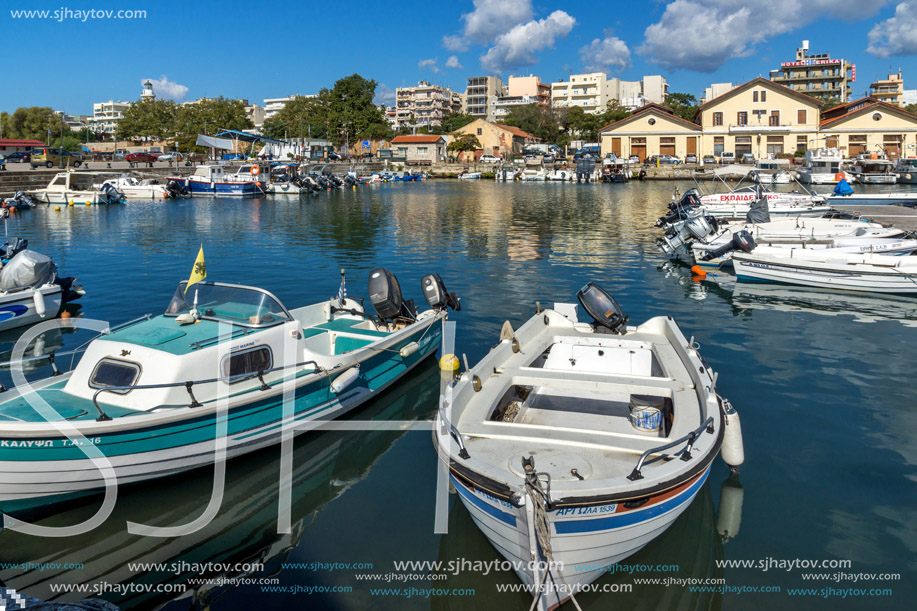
(506, 173)
(533, 173)
(152, 395)
(774, 171)
(736, 204)
(469, 176)
(214, 180)
(76, 187)
(562, 441)
(823, 167)
(30, 288)
(906, 169)
(872, 169)
(561, 175)
(615, 169)
(133, 187)
(827, 269)
(705, 253)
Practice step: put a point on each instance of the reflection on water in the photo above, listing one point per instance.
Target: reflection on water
(827, 403)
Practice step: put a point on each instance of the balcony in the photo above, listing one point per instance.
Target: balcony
(756, 128)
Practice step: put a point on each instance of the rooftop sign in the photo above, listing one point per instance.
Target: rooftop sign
(811, 62)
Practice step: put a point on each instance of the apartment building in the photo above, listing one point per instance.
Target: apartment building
(478, 93)
(889, 90)
(424, 105)
(105, 116)
(817, 75)
(593, 91)
(715, 90)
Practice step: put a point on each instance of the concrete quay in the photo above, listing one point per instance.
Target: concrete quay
(901, 217)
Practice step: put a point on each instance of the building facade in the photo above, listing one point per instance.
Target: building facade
(592, 92)
(759, 117)
(651, 130)
(424, 105)
(274, 105)
(420, 148)
(817, 75)
(889, 90)
(529, 86)
(496, 139)
(869, 126)
(478, 93)
(105, 116)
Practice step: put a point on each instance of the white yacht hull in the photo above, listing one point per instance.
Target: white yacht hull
(18, 309)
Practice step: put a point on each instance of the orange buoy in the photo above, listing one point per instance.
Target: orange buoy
(65, 314)
(697, 270)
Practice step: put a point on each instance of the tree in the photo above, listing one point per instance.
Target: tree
(830, 103)
(684, 105)
(33, 123)
(352, 114)
(465, 142)
(148, 119)
(540, 121)
(209, 117)
(71, 142)
(912, 108)
(299, 118)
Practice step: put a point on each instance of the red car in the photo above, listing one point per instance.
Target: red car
(141, 157)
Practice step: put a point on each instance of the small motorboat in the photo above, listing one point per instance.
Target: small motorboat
(133, 187)
(77, 187)
(691, 202)
(225, 370)
(19, 201)
(30, 288)
(469, 176)
(214, 180)
(823, 166)
(574, 444)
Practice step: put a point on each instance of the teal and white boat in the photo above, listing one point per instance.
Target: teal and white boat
(146, 400)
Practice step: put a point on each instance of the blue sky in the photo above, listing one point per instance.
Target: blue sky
(253, 49)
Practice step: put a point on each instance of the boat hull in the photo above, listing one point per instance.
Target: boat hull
(200, 187)
(40, 469)
(749, 268)
(19, 310)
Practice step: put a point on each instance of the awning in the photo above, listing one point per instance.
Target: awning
(247, 137)
(733, 170)
(219, 143)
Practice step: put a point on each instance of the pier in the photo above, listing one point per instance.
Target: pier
(902, 217)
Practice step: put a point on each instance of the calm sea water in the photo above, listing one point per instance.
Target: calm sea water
(824, 384)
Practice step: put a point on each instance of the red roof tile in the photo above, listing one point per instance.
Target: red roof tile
(14, 142)
(416, 139)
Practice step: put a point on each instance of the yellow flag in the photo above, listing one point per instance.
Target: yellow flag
(199, 271)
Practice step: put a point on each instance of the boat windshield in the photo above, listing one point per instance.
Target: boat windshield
(235, 304)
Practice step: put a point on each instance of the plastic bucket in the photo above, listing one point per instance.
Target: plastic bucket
(646, 412)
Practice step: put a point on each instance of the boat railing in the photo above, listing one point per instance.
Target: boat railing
(52, 357)
(189, 384)
(690, 438)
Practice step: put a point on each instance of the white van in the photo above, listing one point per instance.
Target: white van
(727, 158)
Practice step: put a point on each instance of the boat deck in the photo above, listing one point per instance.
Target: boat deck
(901, 217)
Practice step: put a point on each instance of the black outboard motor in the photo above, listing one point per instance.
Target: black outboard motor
(385, 295)
(696, 226)
(11, 249)
(607, 315)
(680, 209)
(112, 195)
(22, 200)
(741, 240)
(434, 291)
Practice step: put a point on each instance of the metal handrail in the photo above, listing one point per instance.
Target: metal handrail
(103, 417)
(686, 455)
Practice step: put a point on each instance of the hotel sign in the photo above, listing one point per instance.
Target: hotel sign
(811, 62)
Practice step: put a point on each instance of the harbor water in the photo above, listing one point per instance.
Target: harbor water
(822, 515)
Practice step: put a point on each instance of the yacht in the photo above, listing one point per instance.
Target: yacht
(873, 169)
(823, 167)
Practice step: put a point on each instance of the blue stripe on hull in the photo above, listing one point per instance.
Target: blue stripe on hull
(631, 517)
(484, 506)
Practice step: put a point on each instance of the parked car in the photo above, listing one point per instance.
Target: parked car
(18, 157)
(634, 159)
(490, 159)
(49, 158)
(140, 157)
(549, 158)
(169, 157)
(748, 158)
(663, 160)
(333, 156)
(366, 156)
(727, 158)
(709, 160)
(691, 158)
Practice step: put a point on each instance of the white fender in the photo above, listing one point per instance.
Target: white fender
(729, 517)
(733, 450)
(39, 300)
(409, 349)
(344, 380)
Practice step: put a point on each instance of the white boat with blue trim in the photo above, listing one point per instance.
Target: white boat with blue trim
(146, 399)
(573, 444)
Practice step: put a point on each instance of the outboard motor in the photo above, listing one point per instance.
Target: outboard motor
(112, 195)
(22, 200)
(11, 249)
(607, 315)
(434, 291)
(385, 295)
(741, 240)
(680, 209)
(696, 226)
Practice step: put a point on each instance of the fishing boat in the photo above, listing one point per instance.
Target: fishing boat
(77, 187)
(30, 288)
(574, 444)
(872, 169)
(615, 169)
(214, 180)
(826, 269)
(906, 169)
(134, 187)
(774, 171)
(822, 166)
(469, 176)
(506, 173)
(225, 366)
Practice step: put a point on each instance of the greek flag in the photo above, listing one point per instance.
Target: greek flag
(342, 292)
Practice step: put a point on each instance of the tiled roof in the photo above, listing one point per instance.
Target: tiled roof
(670, 114)
(518, 132)
(857, 106)
(14, 142)
(760, 80)
(416, 139)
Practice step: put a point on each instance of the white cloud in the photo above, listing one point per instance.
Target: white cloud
(610, 52)
(897, 35)
(703, 35)
(166, 89)
(453, 62)
(489, 20)
(384, 95)
(518, 46)
(456, 43)
(428, 64)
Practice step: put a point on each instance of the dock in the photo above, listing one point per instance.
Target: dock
(902, 217)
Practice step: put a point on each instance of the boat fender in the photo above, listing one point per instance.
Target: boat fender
(476, 383)
(409, 349)
(729, 516)
(345, 379)
(39, 300)
(733, 450)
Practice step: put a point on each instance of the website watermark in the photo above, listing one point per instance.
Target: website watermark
(40, 566)
(66, 14)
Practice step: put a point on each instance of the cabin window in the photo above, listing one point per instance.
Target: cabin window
(60, 180)
(250, 362)
(110, 373)
(717, 118)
